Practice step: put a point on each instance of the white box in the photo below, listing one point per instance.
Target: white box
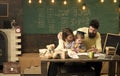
(1, 74)
(32, 70)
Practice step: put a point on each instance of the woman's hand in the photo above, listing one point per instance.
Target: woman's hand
(59, 35)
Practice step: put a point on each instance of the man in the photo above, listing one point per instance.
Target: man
(92, 36)
(93, 43)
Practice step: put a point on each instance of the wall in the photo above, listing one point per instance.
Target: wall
(32, 43)
(15, 11)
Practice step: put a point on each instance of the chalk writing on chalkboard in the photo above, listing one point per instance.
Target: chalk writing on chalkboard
(50, 18)
(54, 17)
(3, 9)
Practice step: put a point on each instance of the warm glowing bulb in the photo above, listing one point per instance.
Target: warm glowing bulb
(65, 2)
(40, 1)
(115, 1)
(53, 1)
(30, 1)
(79, 1)
(84, 7)
(119, 9)
(101, 1)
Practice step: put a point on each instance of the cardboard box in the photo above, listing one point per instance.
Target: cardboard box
(32, 70)
(1, 74)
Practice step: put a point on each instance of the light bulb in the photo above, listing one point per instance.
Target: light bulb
(65, 2)
(79, 1)
(30, 1)
(40, 1)
(115, 1)
(53, 1)
(84, 7)
(101, 1)
(119, 9)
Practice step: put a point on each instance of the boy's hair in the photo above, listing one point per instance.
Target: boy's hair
(80, 34)
(94, 23)
(66, 32)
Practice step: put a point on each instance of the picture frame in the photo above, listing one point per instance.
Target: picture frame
(4, 8)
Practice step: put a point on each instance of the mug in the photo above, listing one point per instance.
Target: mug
(91, 54)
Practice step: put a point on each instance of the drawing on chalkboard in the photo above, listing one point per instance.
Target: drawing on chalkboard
(3, 9)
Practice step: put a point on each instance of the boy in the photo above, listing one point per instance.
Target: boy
(78, 45)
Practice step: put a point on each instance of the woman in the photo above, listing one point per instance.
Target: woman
(67, 39)
(66, 43)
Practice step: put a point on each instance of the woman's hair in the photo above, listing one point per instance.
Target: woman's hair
(66, 32)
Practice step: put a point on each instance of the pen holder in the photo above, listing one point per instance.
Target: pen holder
(91, 54)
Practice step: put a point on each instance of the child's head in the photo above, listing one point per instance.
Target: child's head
(79, 37)
(67, 35)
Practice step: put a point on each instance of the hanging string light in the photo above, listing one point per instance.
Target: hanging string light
(84, 6)
(119, 8)
(101, 1)
(79, 1)
(53, 1)
(115, 1)
(65, 2)
(29, 1)
(40, 1)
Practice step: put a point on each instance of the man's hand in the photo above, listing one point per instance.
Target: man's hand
(93, 49)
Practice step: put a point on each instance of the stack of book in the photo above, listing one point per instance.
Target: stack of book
(110, 50)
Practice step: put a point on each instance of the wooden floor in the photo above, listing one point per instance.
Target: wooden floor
(73, 75)
(34, 75)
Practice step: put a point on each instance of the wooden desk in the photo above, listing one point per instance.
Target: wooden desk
(112, 62)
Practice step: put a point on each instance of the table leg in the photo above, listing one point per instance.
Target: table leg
(111, 68)
(118, 68)
(43, 69)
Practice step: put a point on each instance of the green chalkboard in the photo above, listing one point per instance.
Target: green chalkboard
(48, 18)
